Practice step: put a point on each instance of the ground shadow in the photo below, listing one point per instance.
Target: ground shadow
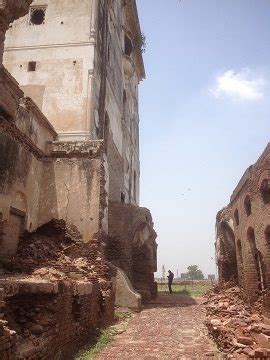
(172, 300)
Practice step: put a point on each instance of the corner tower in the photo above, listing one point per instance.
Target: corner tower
(81, 62)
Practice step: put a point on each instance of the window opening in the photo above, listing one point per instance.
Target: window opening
(236, 217)
(128, 46)
(265, 191)
(258, 260)
(37, 15)
(135, 186)
(247, 204)
(267, 234)
(239, 249)
(32, 66)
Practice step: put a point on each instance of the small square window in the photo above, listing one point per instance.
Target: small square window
(32, 66)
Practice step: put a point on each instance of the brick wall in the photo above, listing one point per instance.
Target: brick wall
(62, 295)
(50, 326)
(128, 249)
(251, 241)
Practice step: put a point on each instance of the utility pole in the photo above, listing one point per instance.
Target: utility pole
(163, 272)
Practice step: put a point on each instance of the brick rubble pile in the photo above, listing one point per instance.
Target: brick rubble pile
(35, 318)
(56, 252)
(241, 331)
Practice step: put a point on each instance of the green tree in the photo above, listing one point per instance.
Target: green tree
(195, 273)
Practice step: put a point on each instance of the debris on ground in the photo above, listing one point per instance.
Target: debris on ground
(240, 330)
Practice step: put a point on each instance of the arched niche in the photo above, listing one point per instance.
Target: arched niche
(247, 205)
(14, 226)
(226, 254)
(239, 251)
(236, 216)
(256, 262)
(144, 259)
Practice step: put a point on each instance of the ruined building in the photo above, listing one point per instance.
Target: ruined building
(243, 233)
(73, 240)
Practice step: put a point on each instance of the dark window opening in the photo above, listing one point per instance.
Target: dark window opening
(257, 259)
(106, 133)
(124, 96)
(128, 46)
(37, 16)
(247, 204)
(265, 191)
(135, 186)
(236, 217)
(76, 308)
(124, 103)
(267, 234)
(123, 198)
(239, 249)
(108, 54)
(32, 66)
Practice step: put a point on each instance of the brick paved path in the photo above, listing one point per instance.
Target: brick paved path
(169, 328)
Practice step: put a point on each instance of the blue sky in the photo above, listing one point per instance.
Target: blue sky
(205, 116)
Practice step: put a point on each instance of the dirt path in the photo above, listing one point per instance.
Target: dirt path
(169, 328)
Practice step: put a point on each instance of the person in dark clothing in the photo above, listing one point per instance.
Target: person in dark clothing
(170, 280)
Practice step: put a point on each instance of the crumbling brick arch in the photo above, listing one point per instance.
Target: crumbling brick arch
(144, 259)
(226, 253)
(255, 267)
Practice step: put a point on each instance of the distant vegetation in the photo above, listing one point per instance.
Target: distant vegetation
(194, 273)
(196, 289)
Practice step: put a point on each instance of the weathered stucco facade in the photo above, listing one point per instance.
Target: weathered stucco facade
(84, 93)
(69, 170)
(243, 233)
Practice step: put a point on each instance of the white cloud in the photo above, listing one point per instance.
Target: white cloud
(239, 85)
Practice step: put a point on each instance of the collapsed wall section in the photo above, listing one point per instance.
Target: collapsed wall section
(57, 294)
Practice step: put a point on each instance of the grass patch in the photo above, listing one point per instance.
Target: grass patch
(195, 290)
(104, 338)
(122, 315)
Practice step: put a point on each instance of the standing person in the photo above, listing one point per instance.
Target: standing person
(170, 280)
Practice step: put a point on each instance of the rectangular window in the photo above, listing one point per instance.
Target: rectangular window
(32, 66)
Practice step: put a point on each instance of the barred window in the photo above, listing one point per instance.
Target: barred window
(37, 15)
